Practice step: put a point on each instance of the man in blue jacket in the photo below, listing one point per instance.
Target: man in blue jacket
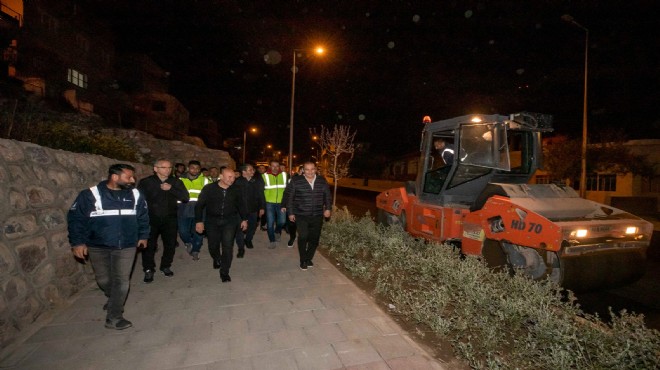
(106, 223)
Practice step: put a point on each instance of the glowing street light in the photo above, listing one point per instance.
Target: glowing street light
(583, 170)
(245, 140)
(319, 51)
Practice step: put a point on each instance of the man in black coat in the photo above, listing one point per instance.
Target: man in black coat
(162, 191)
(308, 200)
(225, 211)
(252, 190)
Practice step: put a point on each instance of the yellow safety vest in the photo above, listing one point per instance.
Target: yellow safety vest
(194, 186)
(273, 188)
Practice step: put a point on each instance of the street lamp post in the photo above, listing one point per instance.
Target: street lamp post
(583, 170)
(245, 141)
(318, 50)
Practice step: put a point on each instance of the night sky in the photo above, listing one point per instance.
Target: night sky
(389, 63)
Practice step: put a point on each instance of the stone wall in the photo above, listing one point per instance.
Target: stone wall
(151, 148)
(37, 270)
(37, 187)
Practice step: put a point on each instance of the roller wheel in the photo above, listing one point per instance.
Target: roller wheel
(388, 219)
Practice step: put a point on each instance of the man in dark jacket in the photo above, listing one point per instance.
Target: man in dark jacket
(225, 211)
(252, 191)
(162, 191)
(107, 222)
(309, 200)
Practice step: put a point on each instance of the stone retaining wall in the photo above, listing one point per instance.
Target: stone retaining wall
(151, 149)
(37, 270)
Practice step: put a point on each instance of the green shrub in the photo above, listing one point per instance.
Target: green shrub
(492, 319)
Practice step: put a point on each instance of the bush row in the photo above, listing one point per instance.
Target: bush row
(493, 320)
(26, 121)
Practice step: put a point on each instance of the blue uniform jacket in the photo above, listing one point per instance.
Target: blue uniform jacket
(115, 231)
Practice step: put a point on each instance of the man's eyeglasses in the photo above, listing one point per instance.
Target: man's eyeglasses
(164, 167)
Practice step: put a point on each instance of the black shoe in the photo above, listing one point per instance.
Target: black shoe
(240, 253)
(248, 244)
(216, 264)
(167, 272)
(303, 265)
(148, 276)
(105, 306)
(310, 263)
(119, 324)
(263, 228)
(225, 278)
(290, 243)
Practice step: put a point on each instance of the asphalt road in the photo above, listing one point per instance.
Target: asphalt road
(641, 297)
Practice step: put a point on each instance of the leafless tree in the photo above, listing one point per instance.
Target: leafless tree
(338, 149)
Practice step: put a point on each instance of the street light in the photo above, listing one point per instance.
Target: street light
(245, 140)
(583, 171)
(319, 50)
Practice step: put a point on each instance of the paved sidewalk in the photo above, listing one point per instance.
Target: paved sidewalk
(271, 316)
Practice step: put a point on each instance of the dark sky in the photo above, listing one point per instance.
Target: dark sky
(389, 63)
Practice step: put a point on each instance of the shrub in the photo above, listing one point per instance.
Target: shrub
(492, 319)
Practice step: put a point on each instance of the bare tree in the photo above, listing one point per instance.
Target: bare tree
(338, 149)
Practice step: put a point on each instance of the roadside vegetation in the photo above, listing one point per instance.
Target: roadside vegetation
(493, 320)
(27, 121)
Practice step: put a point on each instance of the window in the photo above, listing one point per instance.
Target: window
(77, 78)
(542, 179)
(601, 182)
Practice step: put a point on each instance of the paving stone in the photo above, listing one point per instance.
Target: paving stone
(318, 357)
(265, 324)
(413, 363)
(329, 315)
(356, 352)
(392, 346)
(325, 333)
(288, 339)
(361, 328)
(377, 365)
(283, 360)
(300, 319)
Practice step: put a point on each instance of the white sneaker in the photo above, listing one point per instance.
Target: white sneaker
(278, 237)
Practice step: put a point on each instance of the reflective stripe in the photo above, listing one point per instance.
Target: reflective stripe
(114, 212)
(194, 191)
(98, 204)
(277, 186)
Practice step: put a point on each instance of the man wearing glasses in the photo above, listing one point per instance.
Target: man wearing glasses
(162, 191)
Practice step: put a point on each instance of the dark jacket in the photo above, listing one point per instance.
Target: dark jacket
(220, 204)
(302, 200)
(102, 229)
(252, 192)
(163, 203)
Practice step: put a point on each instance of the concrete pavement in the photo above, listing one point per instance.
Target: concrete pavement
(271, 316)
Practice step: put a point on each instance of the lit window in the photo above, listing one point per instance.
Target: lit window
(77, 78)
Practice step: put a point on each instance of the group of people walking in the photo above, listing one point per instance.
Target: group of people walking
(109, 222)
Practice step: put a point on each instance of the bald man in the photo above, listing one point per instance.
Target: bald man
(226, 211)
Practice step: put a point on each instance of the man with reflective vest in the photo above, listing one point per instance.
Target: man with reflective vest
(106, 223)
(274, 185)
(194, 182)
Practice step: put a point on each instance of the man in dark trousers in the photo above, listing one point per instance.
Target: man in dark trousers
(309, 200)
(107, 222)
(225, 211)
(252, 190)
(162, 191)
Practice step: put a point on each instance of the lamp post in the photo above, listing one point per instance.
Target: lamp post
(318, 50)
(245, 141)
(583, 170)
